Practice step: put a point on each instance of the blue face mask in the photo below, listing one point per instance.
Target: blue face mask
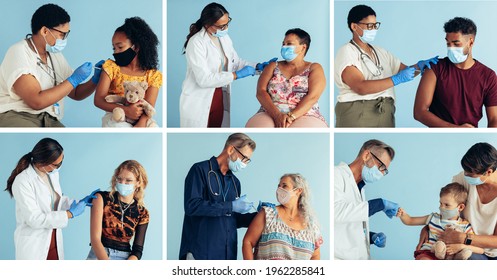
(288, 53)
(456, 55)
(236, 165)
(473, 181)
(125, 189)
(59, 44)
(220, 33)
(448, 213)
(371, 174)
(368, 35)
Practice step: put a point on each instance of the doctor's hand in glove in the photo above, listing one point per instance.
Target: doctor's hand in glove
(242, 205)
(403, 76)
(97, 72)
(262, 65)
(266, 204)
(88, 199)
(80, 74)
(77, 209)
(390, 208)
(423, 64)
(379, 239)
(245, 72)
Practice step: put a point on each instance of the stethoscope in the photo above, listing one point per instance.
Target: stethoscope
(366, 59)
(219, 186)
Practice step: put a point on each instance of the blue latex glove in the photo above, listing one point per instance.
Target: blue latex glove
(77, 209)
(423, 64)
(390, 208)
(379, 239)
(262, 65)
(267, 204)
(80, 74)
(242, 205)
(88, 199)
(98, 70)
(403, 76)
(244, 72)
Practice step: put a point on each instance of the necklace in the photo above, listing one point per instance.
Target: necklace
(290, 218)
(126, 206)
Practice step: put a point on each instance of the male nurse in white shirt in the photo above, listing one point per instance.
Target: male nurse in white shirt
(352, 210)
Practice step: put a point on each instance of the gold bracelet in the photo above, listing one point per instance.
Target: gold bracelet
(291, 115)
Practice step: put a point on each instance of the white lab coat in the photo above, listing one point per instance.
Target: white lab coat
(203, 61)
(351, 217)
(34, 218)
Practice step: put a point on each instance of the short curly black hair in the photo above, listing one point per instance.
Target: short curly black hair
(141, 35)
(357, 13)
(49, 15)
(460, 24)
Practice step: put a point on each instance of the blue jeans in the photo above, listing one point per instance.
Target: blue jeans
(480, 257)
(112, 253)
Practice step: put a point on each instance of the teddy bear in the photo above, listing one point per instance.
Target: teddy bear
(134, 92)
(440, 250)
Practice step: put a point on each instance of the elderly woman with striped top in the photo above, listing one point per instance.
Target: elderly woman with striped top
(288, 231)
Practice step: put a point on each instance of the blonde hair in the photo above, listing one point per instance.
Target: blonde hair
(137, 169)
(304, 202)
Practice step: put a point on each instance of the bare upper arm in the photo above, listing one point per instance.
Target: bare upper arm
(317, 79)
(265, 76)
(27, 87)
(103, 86)
(352, 76)
(491, 116)
(255, 228)
(96, 216)
(426, 90)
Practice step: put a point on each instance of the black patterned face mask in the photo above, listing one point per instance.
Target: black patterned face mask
(124, 58)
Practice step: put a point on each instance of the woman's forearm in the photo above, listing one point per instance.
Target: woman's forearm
(99, 250)
(247, 251)
(267, 103)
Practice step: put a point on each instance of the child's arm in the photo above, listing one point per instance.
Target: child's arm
(151, 97)
(455, 248)
(411, 221)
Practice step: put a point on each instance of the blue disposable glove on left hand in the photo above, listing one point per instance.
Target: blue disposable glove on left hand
(390, 208)
(267, 204)
(403, 76)
(423, 64)
(97, 72)
(244, 72)
(77, 209)
(379, 239)
(242, 205)
(262, 65)
(80, 74)
(88, 199)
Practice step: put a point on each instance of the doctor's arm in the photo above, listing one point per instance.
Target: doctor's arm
(317, 84)
(133, 111)
(253, 235)
(195, 202)
(354, 78)
(96, 217)
(424, 98)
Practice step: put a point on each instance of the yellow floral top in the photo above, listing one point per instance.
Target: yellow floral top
(152, 77)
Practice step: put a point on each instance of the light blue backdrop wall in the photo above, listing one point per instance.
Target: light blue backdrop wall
(257, 30)
(93, 23)
(275, 155)
(423, 164)
(89, 163)
(413, 30)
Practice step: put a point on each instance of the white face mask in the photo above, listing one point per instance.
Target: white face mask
(368, 35)
(283, 196)
(456, 55)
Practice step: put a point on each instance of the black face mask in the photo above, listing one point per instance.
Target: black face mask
(124, 58)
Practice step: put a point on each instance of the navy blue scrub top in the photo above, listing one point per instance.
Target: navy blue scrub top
(209, 225)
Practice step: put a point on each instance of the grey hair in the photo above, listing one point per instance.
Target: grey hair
(378, 147)
(240, 140)
(304, 202)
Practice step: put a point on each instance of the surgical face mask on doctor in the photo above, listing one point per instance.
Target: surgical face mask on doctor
(60, 44)
(236, 165)
(368, 36)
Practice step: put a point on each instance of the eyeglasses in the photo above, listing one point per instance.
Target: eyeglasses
(244, 159)
(224, 26)
(64, 34)
(57, 165)
(383, 167)
(371, 26)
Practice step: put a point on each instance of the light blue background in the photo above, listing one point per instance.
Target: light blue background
(257, 30)
(89, 163)
(413, 30)
(275, 155)
(93, 23)
(423, 164)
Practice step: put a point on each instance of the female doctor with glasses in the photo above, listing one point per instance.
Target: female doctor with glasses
(366, 75)
(35, 76)
(212, 64)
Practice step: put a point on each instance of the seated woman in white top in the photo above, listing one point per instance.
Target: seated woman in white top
(35, 77)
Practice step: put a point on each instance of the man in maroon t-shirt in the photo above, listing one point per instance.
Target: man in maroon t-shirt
(454, 91)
